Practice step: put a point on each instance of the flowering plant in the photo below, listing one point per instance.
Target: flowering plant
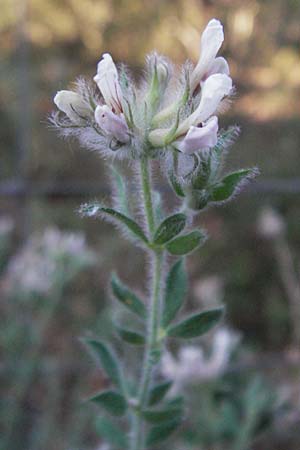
(171, 116)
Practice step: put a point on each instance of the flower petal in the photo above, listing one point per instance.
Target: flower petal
(220, 65)
(73, 105)
(199, 138)
(211, 41)
(214, 88)
(112, 124)
(108, 82)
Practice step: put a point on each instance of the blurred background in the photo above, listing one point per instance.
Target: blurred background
(55, 266)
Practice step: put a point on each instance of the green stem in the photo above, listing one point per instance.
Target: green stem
(147, 195)
(152, 345)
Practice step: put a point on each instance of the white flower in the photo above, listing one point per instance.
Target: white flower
(108, 82)
(192, 366)
(198, 138)
(270, 224)
(220, 65)
(73, 105)
(214, 89)
(112, 124)
(211, 41)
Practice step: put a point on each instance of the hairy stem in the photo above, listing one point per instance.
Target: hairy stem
(147, 195)
(152, 350)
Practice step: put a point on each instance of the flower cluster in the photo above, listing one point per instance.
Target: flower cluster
(172, 115)
(120, 111)
(35, 269)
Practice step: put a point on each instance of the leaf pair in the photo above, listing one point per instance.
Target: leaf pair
(182, 245)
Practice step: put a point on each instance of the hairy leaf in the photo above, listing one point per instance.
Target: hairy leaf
(169, 228)
(130, 336)
(111, 401)
(111, 433)
(176, 288)
(95, 209)
(106, 358)
(162, 432)
(162, 415)
(230, 184)
(127, 297)
(176, 185)
(187, 243)
(196, 325)
(158, 392)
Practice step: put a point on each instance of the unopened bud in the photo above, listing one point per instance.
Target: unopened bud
(73, 105)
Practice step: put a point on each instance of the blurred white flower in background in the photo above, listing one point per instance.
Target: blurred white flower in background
(45, 258)
(270, 224)
(193, 366)
(209, 290)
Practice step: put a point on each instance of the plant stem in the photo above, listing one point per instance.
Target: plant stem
(152, 350)
(147, 195)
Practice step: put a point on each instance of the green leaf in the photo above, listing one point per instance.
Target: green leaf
(111, 401)
(162, 415)
(111, 433)
(196, 325)
(121, 191)
(162, 432)
(176, 288)
(106, 358)
(176, 402)
(129, 336)
(176, 184)
(95, 209)
(169, 228)
(127, 297)
(230, 184)
(187, 243)
(158, 392)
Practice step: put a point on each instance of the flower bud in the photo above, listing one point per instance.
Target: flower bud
(162, 71)
(112, 124)
(73, 105)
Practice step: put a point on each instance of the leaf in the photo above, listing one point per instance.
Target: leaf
(169, 228)
(111, 401)
(176, 402)
(162, 432)
(230, 184)
(162, 415)
(176, 185)
(121, 196)
(197, 324)
(176, 288)
(158, 392)
(95, 209)
(127, 297)
(187, 243)
(111, 433)
(129, 336)
(106, 358)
